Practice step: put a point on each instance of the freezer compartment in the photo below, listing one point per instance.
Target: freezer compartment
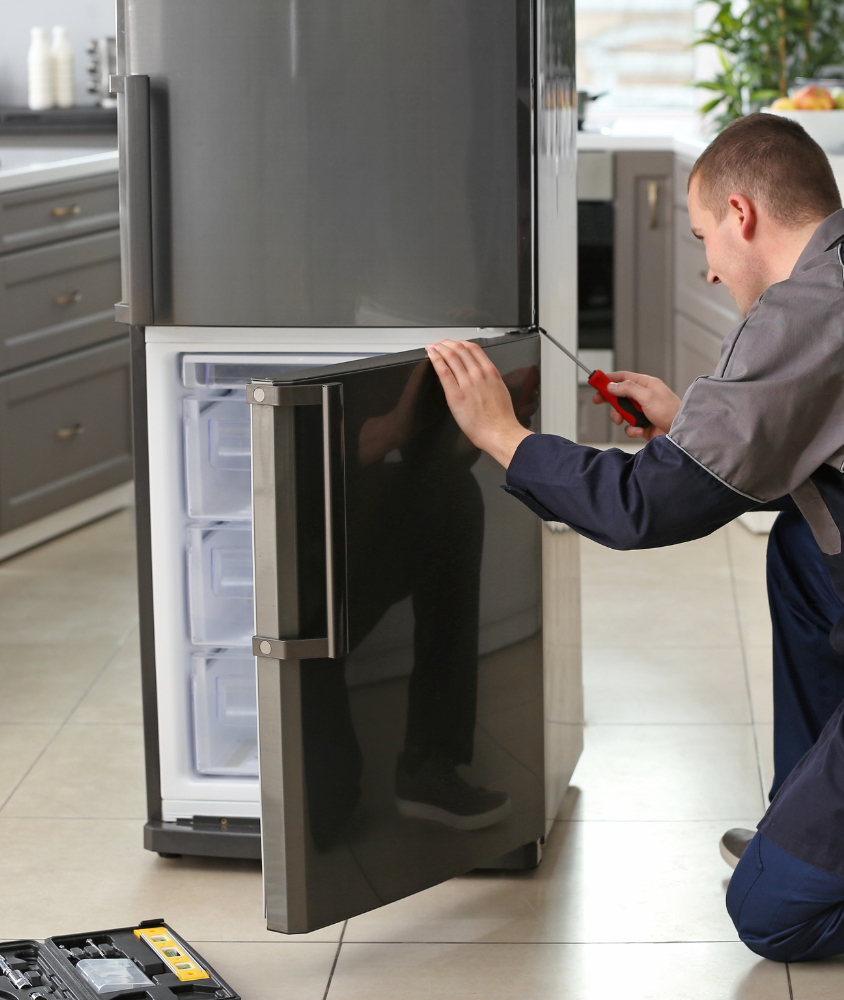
(217, 458)
(220, 585)
(225, 713)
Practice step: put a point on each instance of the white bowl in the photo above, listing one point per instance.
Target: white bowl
(825, 127)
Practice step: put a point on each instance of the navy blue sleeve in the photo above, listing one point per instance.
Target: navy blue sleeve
(659, 496)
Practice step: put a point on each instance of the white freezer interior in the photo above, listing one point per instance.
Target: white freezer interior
(200, 508)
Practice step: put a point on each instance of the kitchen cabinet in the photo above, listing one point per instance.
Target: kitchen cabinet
(65, 443)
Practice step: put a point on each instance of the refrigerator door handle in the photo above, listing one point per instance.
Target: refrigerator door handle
(133, 99)
(274, 517)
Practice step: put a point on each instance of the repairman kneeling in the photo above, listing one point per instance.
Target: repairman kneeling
(766, 430)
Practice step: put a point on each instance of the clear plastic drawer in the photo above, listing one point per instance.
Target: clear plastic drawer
(218, 454)
(220, 585)
(233, 371)
(225, 710)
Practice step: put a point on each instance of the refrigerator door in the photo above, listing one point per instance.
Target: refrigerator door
(328, 164)
(399, 647)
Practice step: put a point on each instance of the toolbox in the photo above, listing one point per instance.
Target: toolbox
(147, 961)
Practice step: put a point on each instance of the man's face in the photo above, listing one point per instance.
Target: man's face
(733, 259)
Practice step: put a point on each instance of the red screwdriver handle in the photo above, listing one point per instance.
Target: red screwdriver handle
(628, 408)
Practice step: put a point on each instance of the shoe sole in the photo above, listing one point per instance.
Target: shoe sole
(727, 854)
(421, 810)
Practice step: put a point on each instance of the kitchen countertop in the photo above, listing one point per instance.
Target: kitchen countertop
(30, 163)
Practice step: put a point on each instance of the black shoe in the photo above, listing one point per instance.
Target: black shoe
(435, 791)
(734, 844)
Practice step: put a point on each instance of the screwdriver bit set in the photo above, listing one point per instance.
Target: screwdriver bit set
(148, 961)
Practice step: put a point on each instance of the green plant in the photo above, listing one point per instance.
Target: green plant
(763, 46)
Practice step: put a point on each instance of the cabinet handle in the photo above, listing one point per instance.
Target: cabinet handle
(66, 433)
(68, 300)
(63, 211)
(653, 200)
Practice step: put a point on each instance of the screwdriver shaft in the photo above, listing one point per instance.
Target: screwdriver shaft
(574, 357)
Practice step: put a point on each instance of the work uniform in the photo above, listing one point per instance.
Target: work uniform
(765, 431)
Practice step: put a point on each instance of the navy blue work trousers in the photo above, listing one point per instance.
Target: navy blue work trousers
(786, 909)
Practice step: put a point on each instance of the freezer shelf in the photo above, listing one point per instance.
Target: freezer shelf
(220, 585)
(225, 713)
(217, 458)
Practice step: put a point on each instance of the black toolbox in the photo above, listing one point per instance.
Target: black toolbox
(51, 968)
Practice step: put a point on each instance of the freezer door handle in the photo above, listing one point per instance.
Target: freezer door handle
(133, 101)
(275, 520)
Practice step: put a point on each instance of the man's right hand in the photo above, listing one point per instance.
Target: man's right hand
(658, 402)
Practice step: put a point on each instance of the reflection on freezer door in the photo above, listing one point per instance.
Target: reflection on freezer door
(220, 585)
(400, 675)
(225, 713)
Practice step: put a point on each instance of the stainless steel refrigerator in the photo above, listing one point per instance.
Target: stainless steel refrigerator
(312, 191)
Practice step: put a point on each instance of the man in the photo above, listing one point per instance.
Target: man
(767, 429)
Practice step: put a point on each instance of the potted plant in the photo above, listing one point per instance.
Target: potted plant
(764, 47)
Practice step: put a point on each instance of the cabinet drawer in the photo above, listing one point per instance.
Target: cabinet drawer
(696, 352)
(57, 211)
(64, 432)
(710, 305)
(58, 298)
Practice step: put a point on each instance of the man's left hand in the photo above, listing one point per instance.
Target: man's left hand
(478, 398)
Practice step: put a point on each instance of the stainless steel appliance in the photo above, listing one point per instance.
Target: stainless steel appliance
(310, 193)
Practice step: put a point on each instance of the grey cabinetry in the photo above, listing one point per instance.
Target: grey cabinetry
(644, 263)
(64, 363)
(64, 432)
(704, 313)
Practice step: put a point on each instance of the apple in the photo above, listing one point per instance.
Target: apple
(785, 104)
(838, 97)
(813, 99)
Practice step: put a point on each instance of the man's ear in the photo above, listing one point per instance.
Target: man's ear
(744, 215)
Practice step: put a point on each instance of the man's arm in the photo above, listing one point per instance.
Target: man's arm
(659, 496)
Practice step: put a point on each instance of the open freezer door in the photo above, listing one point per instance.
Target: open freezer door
(399, 646)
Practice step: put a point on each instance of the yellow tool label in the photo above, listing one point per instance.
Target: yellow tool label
(171, 953)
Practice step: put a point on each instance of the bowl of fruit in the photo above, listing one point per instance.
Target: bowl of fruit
(819, 110)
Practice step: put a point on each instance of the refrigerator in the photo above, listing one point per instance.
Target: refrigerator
(360, 655)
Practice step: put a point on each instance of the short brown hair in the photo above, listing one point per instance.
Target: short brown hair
(773, 161)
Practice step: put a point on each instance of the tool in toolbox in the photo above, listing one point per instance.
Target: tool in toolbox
(628, 409)
(17, 979)
(159, 939)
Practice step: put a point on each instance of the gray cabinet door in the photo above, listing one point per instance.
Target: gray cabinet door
(367, 164)
(52, 212)
(64, 432)
(56, 299)
(644, 299)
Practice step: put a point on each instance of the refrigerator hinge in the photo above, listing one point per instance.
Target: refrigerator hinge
(289, 649)
(284, 395)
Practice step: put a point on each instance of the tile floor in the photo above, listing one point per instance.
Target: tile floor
(629, 901)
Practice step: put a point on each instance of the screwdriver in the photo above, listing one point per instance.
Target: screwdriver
(629, 409)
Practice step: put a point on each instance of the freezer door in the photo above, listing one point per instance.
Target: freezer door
(332, 164)
(399, 646)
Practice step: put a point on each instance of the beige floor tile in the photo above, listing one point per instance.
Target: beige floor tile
(269, 971)
(658, 685)
(105, 548)
(667, 773)
(747, 554)
(63, 875)
(664, 615)
(116, 696)
(760, 677)
(703, 561)
(553, 972)
(765, 742)
(66, 607)
(818, 980)
(86, 772)
(598, 882)
(42, 683)
(20, 746)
